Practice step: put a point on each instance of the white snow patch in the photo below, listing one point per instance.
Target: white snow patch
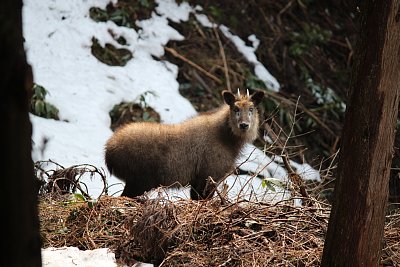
(173, 11)
(249, 53)
(255, 41)
(204, 21)
(58, 40)
(72, 257)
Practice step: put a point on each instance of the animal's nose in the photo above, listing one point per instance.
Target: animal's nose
(244, 126)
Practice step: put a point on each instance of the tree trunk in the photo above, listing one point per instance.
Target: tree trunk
(20, 239)
(356, 224)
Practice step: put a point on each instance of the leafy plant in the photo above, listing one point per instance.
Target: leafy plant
(310, 36)
(272, 183)
(215, 11)
(109, 54)
(142, 98)
(39, 106)
(326, 97)
(253, 82)
(218, 13)
(146, 3)
(135, 111)
(77, 198)
(122, 14)
(118, 16)
(82, 198)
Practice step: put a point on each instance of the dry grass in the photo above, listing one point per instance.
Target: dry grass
(67, 221)
(215, 232)
(206, 233)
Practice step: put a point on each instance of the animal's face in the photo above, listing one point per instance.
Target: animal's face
(243, 110)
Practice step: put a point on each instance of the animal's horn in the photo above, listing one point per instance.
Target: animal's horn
(238, 92)
(248, 94)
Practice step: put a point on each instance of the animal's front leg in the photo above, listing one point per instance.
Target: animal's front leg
(197, 188)
(203, 189)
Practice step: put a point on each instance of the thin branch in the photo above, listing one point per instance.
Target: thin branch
(222, 52)
(191, 63)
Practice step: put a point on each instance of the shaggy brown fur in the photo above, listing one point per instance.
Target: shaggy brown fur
(146, 155)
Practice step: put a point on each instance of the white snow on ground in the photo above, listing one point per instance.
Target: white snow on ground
(58, 37)
(249, 53)
(73, 257)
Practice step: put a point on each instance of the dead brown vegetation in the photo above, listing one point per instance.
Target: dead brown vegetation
(204, 233)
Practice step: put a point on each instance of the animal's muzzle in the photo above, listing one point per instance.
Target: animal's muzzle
(244, 126)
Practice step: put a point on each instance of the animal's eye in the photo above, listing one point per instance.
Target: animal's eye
(251, 109)
(236, 109)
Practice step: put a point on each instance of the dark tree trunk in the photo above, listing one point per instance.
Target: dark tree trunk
(20, 238)
(356, 224)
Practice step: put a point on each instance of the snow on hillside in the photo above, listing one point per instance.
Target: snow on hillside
(58, 38)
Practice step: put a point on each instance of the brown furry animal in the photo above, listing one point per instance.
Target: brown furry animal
(146, 155)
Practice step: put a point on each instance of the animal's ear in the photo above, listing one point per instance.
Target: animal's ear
(257, 97)
(229, 98)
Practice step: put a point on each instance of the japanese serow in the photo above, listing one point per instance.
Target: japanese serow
(146, 154)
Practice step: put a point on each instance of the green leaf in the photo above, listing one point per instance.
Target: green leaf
(51, 111)
(271, 187)
(91, 203)
(145, 3)
(39, 108)
(79, 197)
(146, 116)
(272, 183)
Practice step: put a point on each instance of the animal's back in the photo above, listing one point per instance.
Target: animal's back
(135, 147)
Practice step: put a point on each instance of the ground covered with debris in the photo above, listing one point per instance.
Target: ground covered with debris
(205, 233)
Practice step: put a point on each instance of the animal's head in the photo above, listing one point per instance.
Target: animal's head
(243, 113)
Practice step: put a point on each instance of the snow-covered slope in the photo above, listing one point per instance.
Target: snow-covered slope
(58, 38)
